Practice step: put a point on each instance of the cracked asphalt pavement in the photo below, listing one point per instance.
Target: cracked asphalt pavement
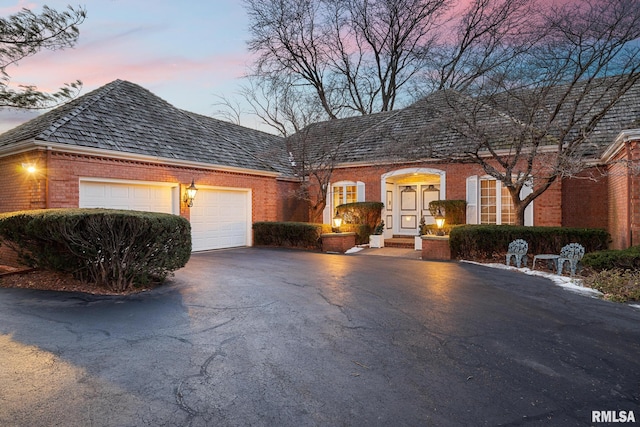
(267, 337)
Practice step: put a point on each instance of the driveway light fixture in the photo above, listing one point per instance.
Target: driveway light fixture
(337, 222)
(439, 222)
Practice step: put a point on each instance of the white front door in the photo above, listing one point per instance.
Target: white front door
(413, 202)
(409, 209)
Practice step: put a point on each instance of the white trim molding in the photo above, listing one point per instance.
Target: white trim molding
(618, 143)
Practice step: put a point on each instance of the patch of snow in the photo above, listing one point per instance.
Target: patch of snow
(568, 283)
(354, 250)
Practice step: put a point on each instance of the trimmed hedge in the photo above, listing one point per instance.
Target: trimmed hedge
(116, 249)
(361, 218)
(491, 241)
(625, 259)
(289, 234)
(454, 211)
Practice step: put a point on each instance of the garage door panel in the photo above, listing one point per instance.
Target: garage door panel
(138, 197)
(220, 219)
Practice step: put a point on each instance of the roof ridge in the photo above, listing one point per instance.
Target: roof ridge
(82, 106)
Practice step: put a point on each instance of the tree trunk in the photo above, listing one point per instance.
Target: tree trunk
(519, 207)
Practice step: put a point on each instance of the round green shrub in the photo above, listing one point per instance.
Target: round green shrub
(117, 249)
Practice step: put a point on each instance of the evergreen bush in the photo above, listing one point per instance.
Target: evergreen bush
(116, 249)
(289, 234)
(454, 211)
(483, 242)
(361, 218)
(613, 259)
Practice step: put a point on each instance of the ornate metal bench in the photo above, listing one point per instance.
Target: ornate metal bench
(517, 249)
(573, 252)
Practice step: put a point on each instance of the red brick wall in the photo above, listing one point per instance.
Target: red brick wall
(618, 202)
(434, 248)
(63, 171)
(20, 190)
(584, 200)
(634, 195)
(291, 208)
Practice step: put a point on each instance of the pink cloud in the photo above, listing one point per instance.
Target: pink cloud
(22, 4)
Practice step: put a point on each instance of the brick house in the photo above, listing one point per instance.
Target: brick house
(403, 158)
(120, 146)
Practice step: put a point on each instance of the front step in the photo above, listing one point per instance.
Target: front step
(400, 242)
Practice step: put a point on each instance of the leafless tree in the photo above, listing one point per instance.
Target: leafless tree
(487, 35)
(538, 118)
(529, 86)
(24, 34)
(355, 56)
(314, 153)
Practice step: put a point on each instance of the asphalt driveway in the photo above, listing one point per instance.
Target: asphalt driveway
(273, 337)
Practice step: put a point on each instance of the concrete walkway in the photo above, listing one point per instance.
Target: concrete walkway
(391, 252)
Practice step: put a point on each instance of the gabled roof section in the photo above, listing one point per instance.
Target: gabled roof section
(126, 118)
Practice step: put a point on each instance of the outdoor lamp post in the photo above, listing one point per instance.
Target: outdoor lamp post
(439, 222)
(190, 194)
(337, 222)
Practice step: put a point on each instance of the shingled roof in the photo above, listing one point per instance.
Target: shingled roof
(423, 130)
(427, 129)
(124, 117)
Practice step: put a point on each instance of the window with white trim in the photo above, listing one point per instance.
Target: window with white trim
(340, 193)
(495, 209)
(345, 193)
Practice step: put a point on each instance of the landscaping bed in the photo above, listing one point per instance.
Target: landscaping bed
(49, 280)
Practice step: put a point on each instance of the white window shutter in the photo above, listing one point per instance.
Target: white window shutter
(472, 199)
(360, 189)
(327, 213)
(528, 212)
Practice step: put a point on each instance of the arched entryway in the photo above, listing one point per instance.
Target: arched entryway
(406, 194)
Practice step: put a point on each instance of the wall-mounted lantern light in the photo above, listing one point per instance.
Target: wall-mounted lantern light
(29, 167)
(439, 222)
(190, 194)
(337, 222)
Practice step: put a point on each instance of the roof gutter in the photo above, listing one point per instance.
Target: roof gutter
(33, 144)
(619, 143)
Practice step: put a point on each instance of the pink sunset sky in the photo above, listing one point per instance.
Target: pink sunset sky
(186, 52)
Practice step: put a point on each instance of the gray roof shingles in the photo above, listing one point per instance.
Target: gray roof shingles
(424, 130)
(124, 117)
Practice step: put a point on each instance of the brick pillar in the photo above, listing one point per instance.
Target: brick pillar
(338, 242)
(436, 248)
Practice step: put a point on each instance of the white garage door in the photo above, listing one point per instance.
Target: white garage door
(220, 219)
(137, 197)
